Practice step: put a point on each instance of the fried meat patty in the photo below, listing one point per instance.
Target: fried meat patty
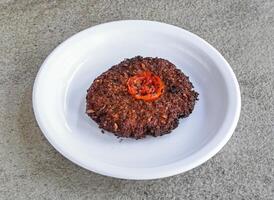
(114, 109)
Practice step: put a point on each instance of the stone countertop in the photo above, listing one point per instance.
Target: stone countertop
(243, 31)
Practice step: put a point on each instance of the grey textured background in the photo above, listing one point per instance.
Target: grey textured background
(243, 31)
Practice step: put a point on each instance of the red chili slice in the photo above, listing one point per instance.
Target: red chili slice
(146, 86)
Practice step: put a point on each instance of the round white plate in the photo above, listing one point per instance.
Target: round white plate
(60, 89)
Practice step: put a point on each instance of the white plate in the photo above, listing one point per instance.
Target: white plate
(60, 89)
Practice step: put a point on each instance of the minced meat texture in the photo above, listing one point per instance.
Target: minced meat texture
(110, 105)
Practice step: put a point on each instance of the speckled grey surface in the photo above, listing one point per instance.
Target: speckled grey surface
(243, 31)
